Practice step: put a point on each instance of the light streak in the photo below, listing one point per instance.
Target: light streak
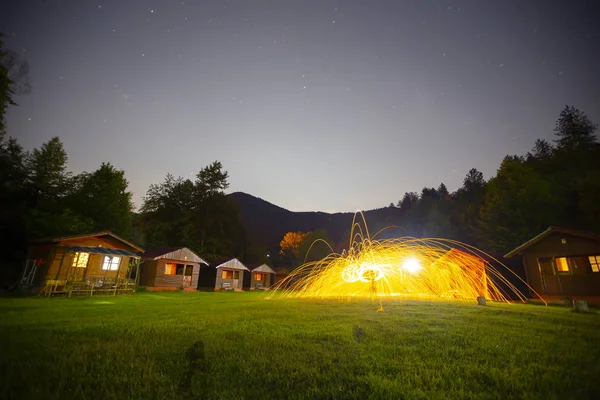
(405, 267)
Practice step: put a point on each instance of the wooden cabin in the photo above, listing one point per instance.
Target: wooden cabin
(561, 264)
(261, 277)
(171, 268)
(230, 275)
(88, 264)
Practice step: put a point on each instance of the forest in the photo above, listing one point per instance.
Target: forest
(554, 183)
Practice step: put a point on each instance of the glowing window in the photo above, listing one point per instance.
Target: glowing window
(170, 269)
(562, 265)
(81, 260)
(594, 263)
(226, 274)
(258, 276)
(111, 263)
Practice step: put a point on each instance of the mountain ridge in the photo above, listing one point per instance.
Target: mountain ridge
(267, 223)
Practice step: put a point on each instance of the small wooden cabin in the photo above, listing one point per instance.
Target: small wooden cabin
(171, 268)
(230, 275)
(90, 263)
(261, 277)
(562, 263)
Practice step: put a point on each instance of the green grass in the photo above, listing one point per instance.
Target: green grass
(107, 347)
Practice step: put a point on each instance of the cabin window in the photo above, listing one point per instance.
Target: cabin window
(226, 274)
(188, 270)
(562, 265)
(174, 269)
(81, 260)
(258, 276)
(111, 263)
(594, 263)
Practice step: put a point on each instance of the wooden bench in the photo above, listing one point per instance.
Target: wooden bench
(226, 286)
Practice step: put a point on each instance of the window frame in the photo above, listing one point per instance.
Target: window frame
(111, 264)
(224, 274)
(76, 259)
(567, 262)
(594, 263)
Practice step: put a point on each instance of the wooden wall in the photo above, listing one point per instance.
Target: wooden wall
(581, 281)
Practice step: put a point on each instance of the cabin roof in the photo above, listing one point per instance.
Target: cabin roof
(548, 232)
(173, 253)
(262, 268)
(88, 235)
(233, 263)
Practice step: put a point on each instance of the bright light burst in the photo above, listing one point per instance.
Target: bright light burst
(401, 267)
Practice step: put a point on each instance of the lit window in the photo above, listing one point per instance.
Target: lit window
(81, 260)
(562, 265)
(595, 263)
(258, 276)
(111, 263)
(226, 274)
(170, 269)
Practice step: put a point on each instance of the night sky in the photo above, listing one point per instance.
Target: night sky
(311, 105)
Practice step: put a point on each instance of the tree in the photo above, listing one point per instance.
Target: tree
(47, 172)
(290, 245)
(314, 246)
(212, 179)
(14, 74)
(13, 172)
(574, 129)
(542, 150)
(443, 191)
(198, 215)
(167, 213)
(102, 197)
(409, 200)
(519, 203)
(13, 207)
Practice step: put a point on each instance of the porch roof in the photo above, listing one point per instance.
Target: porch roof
(101, 250)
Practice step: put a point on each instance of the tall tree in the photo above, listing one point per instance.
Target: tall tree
(211, 181)
(48, 172)
(574, 129)
(14, 73)
(13, 207)
(102, 196)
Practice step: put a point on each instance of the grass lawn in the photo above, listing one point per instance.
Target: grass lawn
(143, 346)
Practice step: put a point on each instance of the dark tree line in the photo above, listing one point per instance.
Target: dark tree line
(553, 184)
(39, 198)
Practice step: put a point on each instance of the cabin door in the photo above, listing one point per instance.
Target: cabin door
(187, 275)
(236, 279)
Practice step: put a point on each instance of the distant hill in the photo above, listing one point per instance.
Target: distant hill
(266, 223)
